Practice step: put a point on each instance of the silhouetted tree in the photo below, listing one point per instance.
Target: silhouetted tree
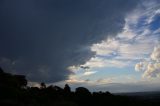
(1, 71)
(9, 80)
(20, 80)
(43, 85)
(83, 92)
(12, 94)
(67, 89)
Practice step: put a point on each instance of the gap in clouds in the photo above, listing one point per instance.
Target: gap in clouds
(134, 44)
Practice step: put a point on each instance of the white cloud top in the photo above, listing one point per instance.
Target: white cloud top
(151, 67)
(156, 54)
(133, 44)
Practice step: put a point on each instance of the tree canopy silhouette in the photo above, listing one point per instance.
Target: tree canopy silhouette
(9, 80)
(67, 88)
(15, 92)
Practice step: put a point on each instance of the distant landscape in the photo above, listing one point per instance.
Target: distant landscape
(15, 92)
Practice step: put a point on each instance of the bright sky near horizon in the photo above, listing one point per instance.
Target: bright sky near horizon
(133, 56)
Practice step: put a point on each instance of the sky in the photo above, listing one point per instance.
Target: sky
(108, 45)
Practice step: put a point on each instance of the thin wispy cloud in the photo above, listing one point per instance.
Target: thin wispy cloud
(132, 47)
(130, 44)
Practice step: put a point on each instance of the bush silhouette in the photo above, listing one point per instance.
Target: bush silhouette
(9, 80)
(15, 92)
(82, 91)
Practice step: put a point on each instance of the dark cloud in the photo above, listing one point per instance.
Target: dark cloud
(41, 38)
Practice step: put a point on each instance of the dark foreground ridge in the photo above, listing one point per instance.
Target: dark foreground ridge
(15, 92)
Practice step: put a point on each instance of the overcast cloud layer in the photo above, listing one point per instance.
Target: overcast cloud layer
(41, 38)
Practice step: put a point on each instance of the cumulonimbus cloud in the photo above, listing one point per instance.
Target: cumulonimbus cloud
(42, 38)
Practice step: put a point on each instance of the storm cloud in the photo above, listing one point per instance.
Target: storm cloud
(42, 38)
